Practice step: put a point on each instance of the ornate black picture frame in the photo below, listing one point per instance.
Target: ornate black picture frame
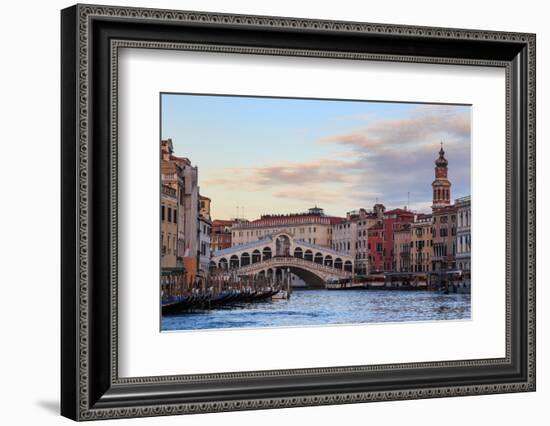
(91, 36)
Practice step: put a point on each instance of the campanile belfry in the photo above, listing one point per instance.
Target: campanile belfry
(441, 185)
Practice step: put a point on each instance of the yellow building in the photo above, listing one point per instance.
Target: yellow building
(172, 272)
(421, 243)
(402, 238)
(179, 174)
(204, 210)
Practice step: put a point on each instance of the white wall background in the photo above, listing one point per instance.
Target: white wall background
(29, 212)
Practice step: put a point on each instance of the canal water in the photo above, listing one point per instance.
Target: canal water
(322, 307)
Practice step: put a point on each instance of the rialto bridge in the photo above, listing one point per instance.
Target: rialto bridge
(280, 254)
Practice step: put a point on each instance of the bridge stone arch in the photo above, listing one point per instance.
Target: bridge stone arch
(315, 275)
(311, 262)
(282, 245)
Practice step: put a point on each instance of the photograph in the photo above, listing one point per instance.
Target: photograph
(297, 212)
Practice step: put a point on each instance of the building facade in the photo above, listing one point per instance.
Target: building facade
(393, 221)
(421, 243)
(364, 220)
(463, 234)
(169, 227)
(313, 227)
(351, 237)
(178, 173)
(205, 230)
(376, 248)
(172, 271)
(204, 206)
(443, 219)
(402, 248)
(220, 238)
(172, 176)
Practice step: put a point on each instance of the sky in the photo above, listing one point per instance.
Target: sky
(258, 155)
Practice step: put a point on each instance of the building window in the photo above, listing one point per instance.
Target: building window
(169, 214)
(162, 213)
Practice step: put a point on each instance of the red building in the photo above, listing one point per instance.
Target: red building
(376, 248)
(392, 222)
(221, 234)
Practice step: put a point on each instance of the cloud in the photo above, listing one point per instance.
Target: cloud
(396, 155)
(319, 171)
(313, 196)
(323, 171)
(425, 124)
(385, 160)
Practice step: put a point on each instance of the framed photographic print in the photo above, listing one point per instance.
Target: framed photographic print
(263, 212)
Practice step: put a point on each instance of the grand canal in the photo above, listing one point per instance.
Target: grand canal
(322, 307)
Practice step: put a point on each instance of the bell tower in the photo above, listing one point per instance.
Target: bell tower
(441, 185)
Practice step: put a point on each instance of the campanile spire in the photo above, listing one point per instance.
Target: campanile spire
(441, 185)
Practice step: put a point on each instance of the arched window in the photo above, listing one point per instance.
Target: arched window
(298, 252)
(328, 260)
(256, 256)
(338, 263)
(245, 259)
(266, 253)
(348, 266)
(319, 258)
(234, 262)
(222, 264)
(308, 255)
